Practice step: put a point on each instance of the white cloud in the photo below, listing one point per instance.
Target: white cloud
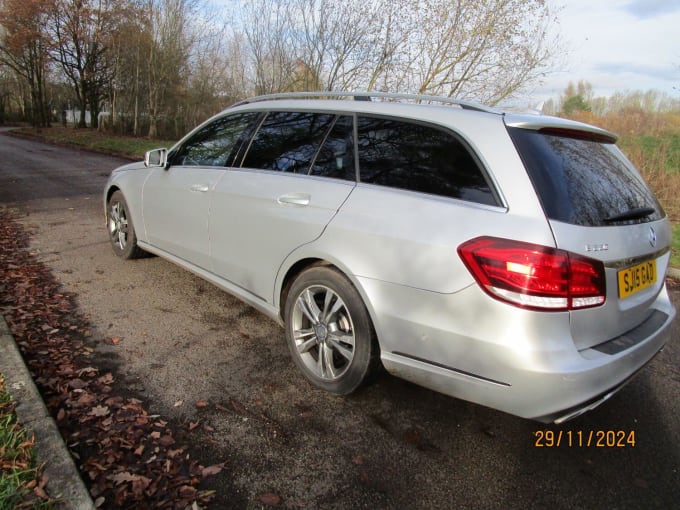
(619, 45)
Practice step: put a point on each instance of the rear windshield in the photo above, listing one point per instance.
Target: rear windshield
(585, 182)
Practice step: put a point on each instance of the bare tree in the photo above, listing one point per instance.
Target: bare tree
(79, 29)
(167, 56)
(236, 85)
(23, 48)
(162, 66)
(124, 55)
(325, 48)
(11, 93)
(481, 50)
(268, 29)
(214, 71)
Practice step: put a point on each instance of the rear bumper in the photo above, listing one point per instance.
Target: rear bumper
(574, 412)
(472, 347)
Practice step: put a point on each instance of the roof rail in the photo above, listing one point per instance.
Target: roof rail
(369, 96)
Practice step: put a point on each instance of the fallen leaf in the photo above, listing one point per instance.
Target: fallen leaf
(270, 499)
(201, 404)
(122, 477)
(139, 485)
(212, 470)
(77, 384)
(108, 434)
(86, 399)
(166, 440)
(187, 491)
(39, 492)
(99, 411)
(238, 407)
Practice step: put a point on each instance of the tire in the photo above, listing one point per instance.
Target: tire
(121, 230)
(329, 331)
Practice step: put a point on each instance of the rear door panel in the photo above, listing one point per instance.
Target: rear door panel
(258, 217)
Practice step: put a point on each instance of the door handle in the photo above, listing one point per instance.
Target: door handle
(202, 188)
(298, 199)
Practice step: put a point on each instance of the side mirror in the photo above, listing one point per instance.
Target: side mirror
(156, 158)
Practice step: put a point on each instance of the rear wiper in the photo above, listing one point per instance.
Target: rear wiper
(632, 214)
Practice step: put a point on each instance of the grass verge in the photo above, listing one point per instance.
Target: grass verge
(90, 139)
(21, 483)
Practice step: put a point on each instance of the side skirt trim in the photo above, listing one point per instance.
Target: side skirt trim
(451, 369)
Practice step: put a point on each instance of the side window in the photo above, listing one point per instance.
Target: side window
(288, 141)
(214, 143)
(421, 158)
(336, 156)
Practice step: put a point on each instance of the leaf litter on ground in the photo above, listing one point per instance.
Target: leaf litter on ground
(127, 457)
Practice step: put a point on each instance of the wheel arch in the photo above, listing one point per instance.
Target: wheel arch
(130, 185)
(109, 192)
(291, 274)
(294, 269)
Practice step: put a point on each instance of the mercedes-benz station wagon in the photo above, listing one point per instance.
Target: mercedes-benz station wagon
(515, 261)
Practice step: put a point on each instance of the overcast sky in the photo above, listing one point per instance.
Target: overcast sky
(618, 45)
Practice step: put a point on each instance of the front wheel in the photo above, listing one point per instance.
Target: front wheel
(329, 331)
(121, 230)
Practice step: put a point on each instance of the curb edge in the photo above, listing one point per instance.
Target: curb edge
(65, 484)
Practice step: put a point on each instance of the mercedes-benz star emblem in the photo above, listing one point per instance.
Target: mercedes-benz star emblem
(652, 237)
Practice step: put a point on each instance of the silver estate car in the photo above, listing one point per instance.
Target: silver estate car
(515, 261)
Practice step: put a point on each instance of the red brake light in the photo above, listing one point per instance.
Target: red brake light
(533, 276)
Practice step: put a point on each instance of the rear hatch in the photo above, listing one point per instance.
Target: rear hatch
(599, 206)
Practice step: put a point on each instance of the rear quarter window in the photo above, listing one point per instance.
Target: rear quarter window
(583, 182)
(417, 157)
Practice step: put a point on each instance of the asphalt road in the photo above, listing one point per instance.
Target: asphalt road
(391, 445)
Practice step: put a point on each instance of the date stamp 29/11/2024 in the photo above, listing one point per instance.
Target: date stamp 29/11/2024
(584, 438)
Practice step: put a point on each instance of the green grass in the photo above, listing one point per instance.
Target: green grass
(18, 468)
(94, 140)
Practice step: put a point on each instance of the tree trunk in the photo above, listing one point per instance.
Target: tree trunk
(94, 109)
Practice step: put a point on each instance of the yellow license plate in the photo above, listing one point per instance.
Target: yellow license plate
(636, 278)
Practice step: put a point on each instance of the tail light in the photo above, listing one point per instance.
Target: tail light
(533, 276)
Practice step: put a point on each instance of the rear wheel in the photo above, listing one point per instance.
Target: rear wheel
(329, 331)
(121, 230)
